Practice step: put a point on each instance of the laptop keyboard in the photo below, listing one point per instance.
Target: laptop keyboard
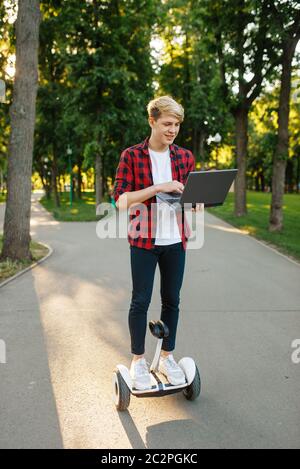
(173, 199)
(174, 195)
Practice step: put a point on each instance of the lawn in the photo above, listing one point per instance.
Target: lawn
(9, 268)
(81, 210)
(257, 220)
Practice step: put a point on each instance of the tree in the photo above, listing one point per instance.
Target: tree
(189, 73)
(262, 133)
(263, 130)
(6, 50)
(16, 236)
(111, 73)
(288, 21)
(247, 58)
(95, 82)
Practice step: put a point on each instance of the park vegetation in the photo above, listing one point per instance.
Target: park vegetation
(79, 73)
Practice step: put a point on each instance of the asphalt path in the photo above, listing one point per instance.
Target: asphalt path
(64, 327)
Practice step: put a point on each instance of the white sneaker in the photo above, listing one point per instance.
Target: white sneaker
(140, 375)
(171, 370)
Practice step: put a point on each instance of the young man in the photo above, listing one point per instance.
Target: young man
(156, 165)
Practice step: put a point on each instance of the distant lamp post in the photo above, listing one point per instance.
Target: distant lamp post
(216, 139)
(2, 91)
(69, 153)
(45, 165)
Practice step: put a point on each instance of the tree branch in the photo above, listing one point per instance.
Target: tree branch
(258, 83)
(277, 13)
(258, 57)
(295, 28)
(221, 63)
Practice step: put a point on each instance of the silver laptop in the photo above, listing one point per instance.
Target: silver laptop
(207, 187)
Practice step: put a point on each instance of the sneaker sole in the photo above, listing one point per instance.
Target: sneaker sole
(173, 383)
(142, 388)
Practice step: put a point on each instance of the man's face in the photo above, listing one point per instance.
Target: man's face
(165, 129)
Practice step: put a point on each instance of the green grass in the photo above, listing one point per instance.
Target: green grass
(81, 210)
(257, 220)
(2, 197)
(9, 268)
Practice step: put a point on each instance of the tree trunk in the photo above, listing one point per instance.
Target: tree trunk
(198, 145)
(73, 187)
(241, 126)
(47, 189)
(194, 141)
(282, 146)
(79, 179)
(289, 177)
(98, 178)
(54, 182)
(1, 181)
(104, 180)
(201, 143)
(262, 182)
(16, 236)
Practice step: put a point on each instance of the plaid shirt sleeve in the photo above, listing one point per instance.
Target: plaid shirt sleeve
(124, 180)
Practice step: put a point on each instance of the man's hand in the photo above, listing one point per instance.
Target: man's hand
(172, 186)
(198, 208)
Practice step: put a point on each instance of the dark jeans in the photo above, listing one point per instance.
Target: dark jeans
(171, 261)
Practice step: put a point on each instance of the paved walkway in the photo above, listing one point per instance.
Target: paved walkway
(65, 328)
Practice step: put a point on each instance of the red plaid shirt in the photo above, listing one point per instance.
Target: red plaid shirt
(134, 173)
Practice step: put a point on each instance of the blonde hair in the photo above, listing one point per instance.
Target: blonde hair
(165, 104)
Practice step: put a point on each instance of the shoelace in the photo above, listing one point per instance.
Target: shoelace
(142, 367)
(171, 362)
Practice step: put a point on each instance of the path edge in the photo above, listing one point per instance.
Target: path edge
(32, 266)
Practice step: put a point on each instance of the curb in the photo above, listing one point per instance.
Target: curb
(30, 267)
(273, 248)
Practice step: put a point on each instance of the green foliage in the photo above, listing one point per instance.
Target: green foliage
(96, 78)
(190, 74)
(6, 51)
(90, 150)
(263, 127)
(97, 72)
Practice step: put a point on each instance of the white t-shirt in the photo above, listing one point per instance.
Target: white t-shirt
(167, 231)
